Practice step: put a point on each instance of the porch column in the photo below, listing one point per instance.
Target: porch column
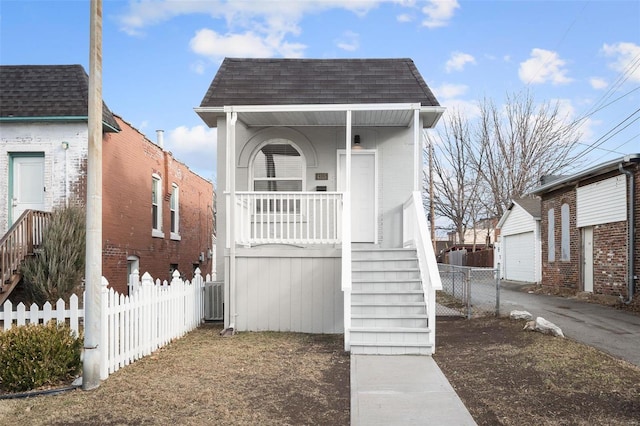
(230, 313)
(417, 152)
(346, 237)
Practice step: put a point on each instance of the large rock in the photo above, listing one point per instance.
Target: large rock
(519, 315)
(543, 326)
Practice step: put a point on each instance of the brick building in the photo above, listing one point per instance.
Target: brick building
(589, 240)
(157, 215)
(43, 158)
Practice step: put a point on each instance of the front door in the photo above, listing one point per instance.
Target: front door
(27, 184)
(363, 194)
(587, 258)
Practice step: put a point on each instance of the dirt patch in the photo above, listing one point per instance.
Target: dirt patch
(506, 376)
(247, 379)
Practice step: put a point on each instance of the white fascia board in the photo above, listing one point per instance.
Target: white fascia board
(320, 107)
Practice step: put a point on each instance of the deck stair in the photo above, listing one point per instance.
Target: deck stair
(388, 310)
(21, 240)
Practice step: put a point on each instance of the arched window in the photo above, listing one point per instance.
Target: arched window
(565, 253)
(551, 235)
(278, 166)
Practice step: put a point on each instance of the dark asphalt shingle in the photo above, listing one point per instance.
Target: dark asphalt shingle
(317, 81)
(32, 91)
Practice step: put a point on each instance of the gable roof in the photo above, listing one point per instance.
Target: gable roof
(53, 92)
(316, 82)
(596, 170)
(531, 205)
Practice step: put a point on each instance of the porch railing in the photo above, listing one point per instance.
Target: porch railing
(415, 233)
(288, 218)
(21, 239)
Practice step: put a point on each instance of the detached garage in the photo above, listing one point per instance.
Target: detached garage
(520, 241)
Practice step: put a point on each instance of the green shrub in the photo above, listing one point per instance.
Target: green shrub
(35, 355)
(57, 269)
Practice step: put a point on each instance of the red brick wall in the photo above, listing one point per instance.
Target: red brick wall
(129, 160)
(560, 273)
(610, 258)
(609, 247)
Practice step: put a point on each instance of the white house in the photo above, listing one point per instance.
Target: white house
(519, 250)
(320, 225)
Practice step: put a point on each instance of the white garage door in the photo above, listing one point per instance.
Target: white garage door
(519, 257)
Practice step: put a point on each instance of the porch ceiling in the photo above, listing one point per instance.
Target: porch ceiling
(322, 115)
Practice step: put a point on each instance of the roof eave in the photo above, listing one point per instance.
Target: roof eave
(430, 114)
(600, 169)
(72, 118)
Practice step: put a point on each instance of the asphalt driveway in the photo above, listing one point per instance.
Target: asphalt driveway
(611, 330)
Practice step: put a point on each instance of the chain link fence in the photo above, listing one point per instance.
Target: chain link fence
(468, 291)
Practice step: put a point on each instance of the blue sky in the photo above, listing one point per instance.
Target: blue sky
(159, 56)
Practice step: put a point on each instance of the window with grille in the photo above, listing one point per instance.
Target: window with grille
(174, 207)
(156, 206)
(278, 167)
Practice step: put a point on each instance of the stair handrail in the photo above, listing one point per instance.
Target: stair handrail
(416, 233)
(20, 240)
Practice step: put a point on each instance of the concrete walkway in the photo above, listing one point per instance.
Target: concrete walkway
(403, 390)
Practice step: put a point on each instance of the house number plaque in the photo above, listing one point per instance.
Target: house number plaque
(322, 176)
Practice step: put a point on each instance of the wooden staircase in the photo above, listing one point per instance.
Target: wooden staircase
(20, 241)
(388, 310)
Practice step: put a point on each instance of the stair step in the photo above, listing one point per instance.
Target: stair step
(383, 269)
(391, 348)
(412, 330)
(388, 316)
(386, 292)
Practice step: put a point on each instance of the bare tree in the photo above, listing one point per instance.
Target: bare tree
(517, 144)
(482, 164)
(456, 185)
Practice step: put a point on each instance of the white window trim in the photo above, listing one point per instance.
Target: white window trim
(175, 190)
(280, 141)
(157, 232)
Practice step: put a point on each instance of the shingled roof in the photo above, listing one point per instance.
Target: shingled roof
(47, 91)
(317, 81)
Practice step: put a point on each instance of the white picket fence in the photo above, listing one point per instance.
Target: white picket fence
(132, 326)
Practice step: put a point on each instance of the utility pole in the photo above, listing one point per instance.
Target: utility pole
(432, 213)
(93, 271)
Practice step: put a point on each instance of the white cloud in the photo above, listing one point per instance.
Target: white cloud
(210, 44)
(543, 66)
(350, 41)
(448, 90)
(626, 58)
(404, 17)
(195, 146)
(448, 94)
(439, 12)
(598, 83)
(458, 60)
(567, 112)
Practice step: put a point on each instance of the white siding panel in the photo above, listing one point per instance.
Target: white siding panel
(519, 257)
(602, 202)
(301, 294)
(517, 222)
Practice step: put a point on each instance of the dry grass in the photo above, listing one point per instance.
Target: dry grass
(506, 376)
(201, 379)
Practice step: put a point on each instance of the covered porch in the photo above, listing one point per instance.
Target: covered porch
(286, 238)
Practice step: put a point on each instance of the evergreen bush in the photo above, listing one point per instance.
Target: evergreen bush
(36, 355)
(56, 270)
